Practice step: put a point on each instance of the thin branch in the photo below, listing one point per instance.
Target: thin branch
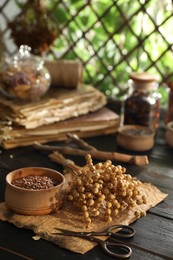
(100, 155)
(74, 138)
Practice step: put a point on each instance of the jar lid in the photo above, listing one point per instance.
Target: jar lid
(24, 57)
(143, 77)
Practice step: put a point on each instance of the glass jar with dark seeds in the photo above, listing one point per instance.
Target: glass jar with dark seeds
(142, 107)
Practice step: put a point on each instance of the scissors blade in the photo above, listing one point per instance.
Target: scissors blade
(66, 232)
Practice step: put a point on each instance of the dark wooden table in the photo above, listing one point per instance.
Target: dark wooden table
(154, 232)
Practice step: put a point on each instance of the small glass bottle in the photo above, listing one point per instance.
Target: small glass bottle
(169, 113)
(142, 107)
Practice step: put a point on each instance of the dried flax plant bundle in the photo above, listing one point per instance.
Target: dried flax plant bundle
(104, 190)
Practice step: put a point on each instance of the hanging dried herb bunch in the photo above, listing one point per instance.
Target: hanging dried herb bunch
(34, 27)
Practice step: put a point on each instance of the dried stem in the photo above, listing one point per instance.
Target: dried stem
(66, 163)
(100, 155)
(74, 138)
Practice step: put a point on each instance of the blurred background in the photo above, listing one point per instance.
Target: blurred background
(111, 38)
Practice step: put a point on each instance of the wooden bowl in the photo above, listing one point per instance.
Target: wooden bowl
(135, 137)
(34, 202)
(169, 134)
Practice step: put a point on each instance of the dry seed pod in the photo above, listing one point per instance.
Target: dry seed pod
(105, 190)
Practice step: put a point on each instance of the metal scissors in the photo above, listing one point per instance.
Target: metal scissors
(115, 248)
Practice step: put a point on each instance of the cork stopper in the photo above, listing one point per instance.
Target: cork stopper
(143, 77)
(143, 80)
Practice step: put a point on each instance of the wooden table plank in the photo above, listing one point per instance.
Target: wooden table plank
(159, 175)
(155, 235)
(153, 232)
(20, 242)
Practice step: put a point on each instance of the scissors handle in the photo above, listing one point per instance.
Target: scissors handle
(119, 250)
(125, 232)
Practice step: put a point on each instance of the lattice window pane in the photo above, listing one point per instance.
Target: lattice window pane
(111, 38)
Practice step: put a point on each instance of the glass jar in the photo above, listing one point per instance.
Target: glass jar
(142, 107)
(24, 76)
(169, 113)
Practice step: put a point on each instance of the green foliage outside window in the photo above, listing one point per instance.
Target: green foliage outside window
(114, 37)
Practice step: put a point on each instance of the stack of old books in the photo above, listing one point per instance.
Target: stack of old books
(81, 110)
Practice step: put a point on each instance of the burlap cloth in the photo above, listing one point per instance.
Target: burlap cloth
(68, 218)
